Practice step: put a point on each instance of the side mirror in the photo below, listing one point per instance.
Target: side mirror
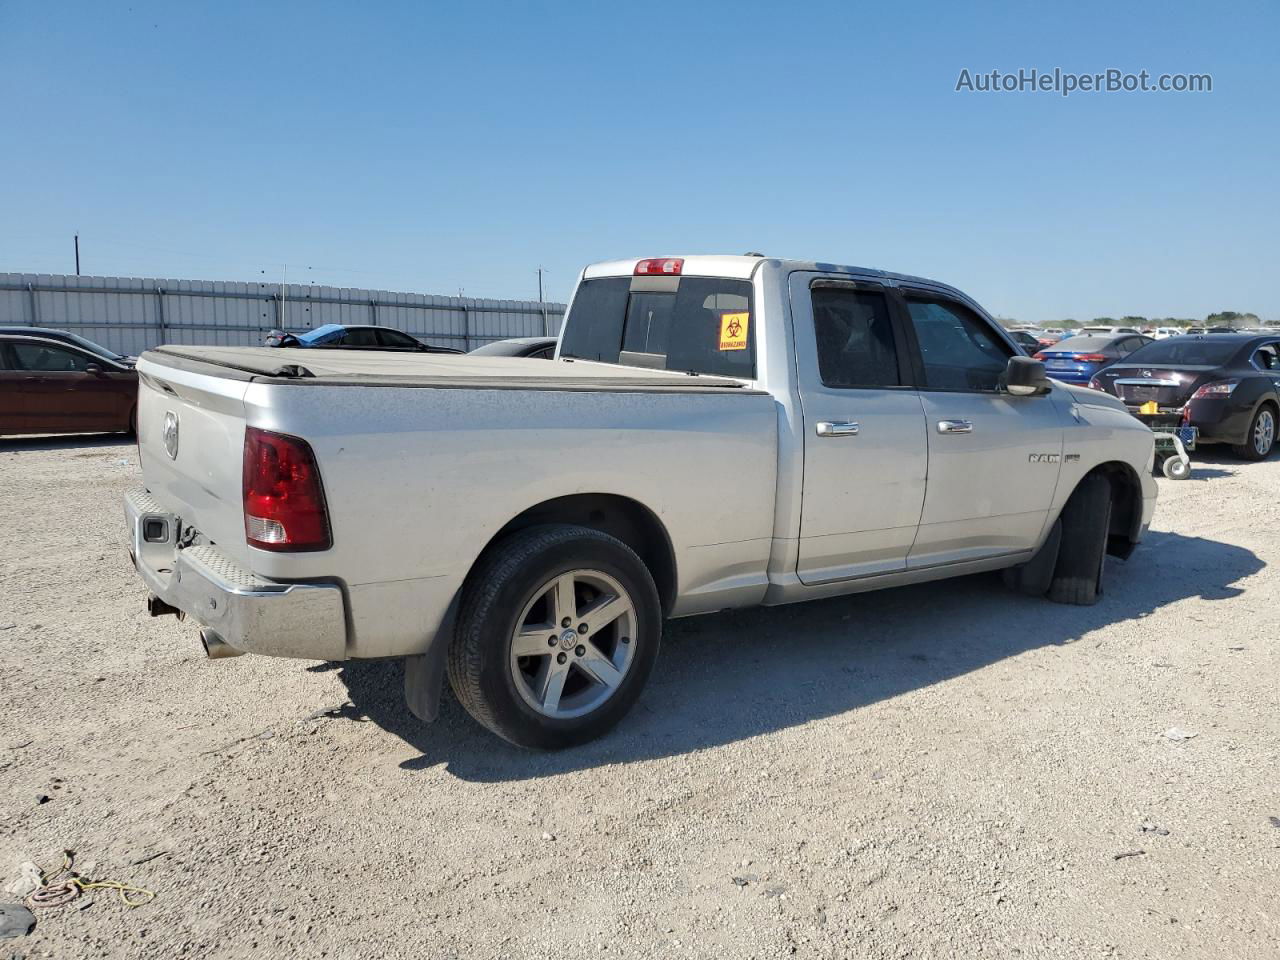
(1024, 377)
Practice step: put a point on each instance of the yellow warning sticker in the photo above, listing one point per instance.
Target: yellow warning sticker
(733, 330)
(1149, 408)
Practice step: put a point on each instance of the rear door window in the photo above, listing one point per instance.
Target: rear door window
(958, 349)
(360, 337)
(856, 342)
(394, 338)
(686, 324)
(46, 358)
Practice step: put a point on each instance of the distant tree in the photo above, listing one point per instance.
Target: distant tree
(1132, 321)
(1103, 322)
(1069, 324)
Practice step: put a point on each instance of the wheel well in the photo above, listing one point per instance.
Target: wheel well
(1126, 507)
(628, 520)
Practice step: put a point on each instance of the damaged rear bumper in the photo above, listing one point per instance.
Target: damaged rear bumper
(247, 612)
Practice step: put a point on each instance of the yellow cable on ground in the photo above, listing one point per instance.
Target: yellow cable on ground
(55, 891)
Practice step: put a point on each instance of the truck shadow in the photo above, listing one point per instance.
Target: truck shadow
(731, 676)
(65, 441)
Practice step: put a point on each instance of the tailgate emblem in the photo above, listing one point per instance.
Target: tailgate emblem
(170, 434)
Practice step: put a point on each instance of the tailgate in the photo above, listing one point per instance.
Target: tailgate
(190, 444)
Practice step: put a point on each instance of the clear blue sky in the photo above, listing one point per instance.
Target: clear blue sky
(437, 146)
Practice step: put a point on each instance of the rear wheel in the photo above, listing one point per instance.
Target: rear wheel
(1086, 520)
(557, 634)
(1262, 435)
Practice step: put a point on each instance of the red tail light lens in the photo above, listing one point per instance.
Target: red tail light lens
(1089, 357)
(284, 508)
(659, 268)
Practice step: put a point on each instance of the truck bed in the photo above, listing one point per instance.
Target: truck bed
(374, 368)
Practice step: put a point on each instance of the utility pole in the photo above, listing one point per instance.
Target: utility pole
(77, 254)
(546, 329)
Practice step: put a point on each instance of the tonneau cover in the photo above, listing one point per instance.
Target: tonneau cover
(379, 368)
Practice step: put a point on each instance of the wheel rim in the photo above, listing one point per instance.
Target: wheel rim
(1264, 432)
(573, 643)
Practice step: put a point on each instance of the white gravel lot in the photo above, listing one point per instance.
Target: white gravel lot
(941, 771)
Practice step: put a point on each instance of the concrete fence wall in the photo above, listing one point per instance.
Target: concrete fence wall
(130, 314)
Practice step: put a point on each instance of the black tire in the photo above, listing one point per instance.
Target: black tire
(1086, 520)
(1033, 577)
(498, 589)
(1249, 449)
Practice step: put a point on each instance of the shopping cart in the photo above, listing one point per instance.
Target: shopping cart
(1174, 439)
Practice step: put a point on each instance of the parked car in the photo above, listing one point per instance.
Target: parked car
(1105, 331)
(52, 381)
(1026, 339)
(720, 432)
(1076, 359)
(1163, 333)
(349, 337)
(1047, 338)
(542, 348)
(1227, 386)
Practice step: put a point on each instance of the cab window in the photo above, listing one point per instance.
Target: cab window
(856, 343)
(958, 349)
(694, 325)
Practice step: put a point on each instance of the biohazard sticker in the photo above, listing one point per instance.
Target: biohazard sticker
(733, 330)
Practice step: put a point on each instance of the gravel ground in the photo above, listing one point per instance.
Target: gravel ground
(941, 771)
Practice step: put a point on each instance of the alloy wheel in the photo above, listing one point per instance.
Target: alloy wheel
(573, 643)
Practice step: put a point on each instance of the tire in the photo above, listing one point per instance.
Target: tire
(1262, 435)
(1175, 468)
(1033, 577)
(566, 694)
(1086, 519)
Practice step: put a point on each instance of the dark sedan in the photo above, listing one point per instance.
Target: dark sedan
(543, 348)
(351, 337)
(1226, 385)
(52, 381)
(1076, 359)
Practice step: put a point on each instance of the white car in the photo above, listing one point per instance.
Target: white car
(715, 432)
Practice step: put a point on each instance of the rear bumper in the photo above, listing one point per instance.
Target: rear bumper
(250, 613)
(1219, 420)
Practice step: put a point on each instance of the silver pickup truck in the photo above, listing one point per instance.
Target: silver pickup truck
(715, 432)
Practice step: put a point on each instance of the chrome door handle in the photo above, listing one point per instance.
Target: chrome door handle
(955, 426)
(837, 428)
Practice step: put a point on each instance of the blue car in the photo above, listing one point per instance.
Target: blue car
(352, 337)
(1077, 359)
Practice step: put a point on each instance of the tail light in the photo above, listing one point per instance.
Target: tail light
(1222, 388)
(659, 268)
(1038, 355)
(1089, 357)
(284, 508)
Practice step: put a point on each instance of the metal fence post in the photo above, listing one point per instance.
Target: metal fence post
(35, 314)
(373, 311)
(160, 321)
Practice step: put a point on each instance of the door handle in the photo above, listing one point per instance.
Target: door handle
(837, 428)
(955, 426)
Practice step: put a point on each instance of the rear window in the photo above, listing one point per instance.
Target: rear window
(688, 325)
(1184, 350)
(1081, 344)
